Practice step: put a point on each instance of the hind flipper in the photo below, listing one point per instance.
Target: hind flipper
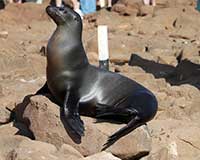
(103, 110)
(44, 90)
(133, 124)
(106, 110)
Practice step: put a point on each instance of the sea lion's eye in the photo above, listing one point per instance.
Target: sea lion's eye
(61, 8)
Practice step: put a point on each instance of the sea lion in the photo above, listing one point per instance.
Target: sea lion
(80, 88)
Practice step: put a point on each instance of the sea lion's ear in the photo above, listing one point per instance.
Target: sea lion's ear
(65, 11)
(75, 18)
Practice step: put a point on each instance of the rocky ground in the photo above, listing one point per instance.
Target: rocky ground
(157, 46)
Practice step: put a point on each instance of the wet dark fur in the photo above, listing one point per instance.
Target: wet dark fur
(80, 88)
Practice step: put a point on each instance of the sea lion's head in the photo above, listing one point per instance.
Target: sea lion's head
(64, 15)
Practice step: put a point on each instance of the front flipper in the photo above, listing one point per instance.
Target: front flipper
(71, 114)
(133, 124)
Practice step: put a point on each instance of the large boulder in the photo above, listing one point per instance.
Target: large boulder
(126, 7)
(43, 119)
(101, 156)
(19, 147)
(174, 139)
(4, 115)
(8, 143)
(171, 3)
(8, 129)
(36, 150)
(11, 129)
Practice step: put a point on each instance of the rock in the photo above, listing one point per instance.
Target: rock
(90, 42)
(119, 60)
(8, 102)
(8, 129)
(162, 84)
(4, 115)
(119, 8)
(172, 3)
(137, 143)
(8, 143)
(186, 149)
(179, 137)
(93, 57)
(101, 156)
(43, 119)
(124, 7)
(187, 91)
(177, 104)
(36, 150)
(69, 153)
(12, 129)
(181, 102)
(1, 91)
(162, 154)
(190, 135)
(18, 148)
(25, 10)
(168, 60)
(146, 10)
(193, 111)
(33, 150)
(3, 34)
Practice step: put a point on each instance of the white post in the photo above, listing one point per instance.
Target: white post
(103, 47)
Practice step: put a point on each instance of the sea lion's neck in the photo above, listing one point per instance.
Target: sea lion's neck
(70, 32)
(66, 45)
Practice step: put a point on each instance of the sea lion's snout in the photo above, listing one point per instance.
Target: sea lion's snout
(53, 10)
(56, 13)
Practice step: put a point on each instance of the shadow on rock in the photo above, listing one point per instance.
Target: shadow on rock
(19, 110)
(185, 72)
